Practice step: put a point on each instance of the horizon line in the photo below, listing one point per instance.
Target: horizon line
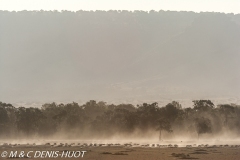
(118, 10)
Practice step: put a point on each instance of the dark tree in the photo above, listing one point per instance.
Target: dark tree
(227, 111)
(163, 125)
(203, 105)
(203, 125)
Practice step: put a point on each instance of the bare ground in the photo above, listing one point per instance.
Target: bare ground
(108, 152)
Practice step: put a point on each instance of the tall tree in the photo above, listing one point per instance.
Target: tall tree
(163, 125)
(203, 125)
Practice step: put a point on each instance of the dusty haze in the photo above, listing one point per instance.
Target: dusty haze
(118, 56)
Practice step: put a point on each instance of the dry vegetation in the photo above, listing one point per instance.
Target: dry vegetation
(137, 152)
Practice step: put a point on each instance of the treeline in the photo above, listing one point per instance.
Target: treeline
(98, 119)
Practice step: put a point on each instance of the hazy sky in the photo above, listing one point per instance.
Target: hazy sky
(227, 6)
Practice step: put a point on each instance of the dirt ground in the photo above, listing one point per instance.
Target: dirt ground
(133, 153)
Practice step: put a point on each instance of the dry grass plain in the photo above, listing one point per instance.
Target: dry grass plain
(137, 152)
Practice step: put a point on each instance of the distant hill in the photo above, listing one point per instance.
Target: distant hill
(118, 55)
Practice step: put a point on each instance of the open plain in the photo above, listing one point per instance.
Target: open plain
(128, 151)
